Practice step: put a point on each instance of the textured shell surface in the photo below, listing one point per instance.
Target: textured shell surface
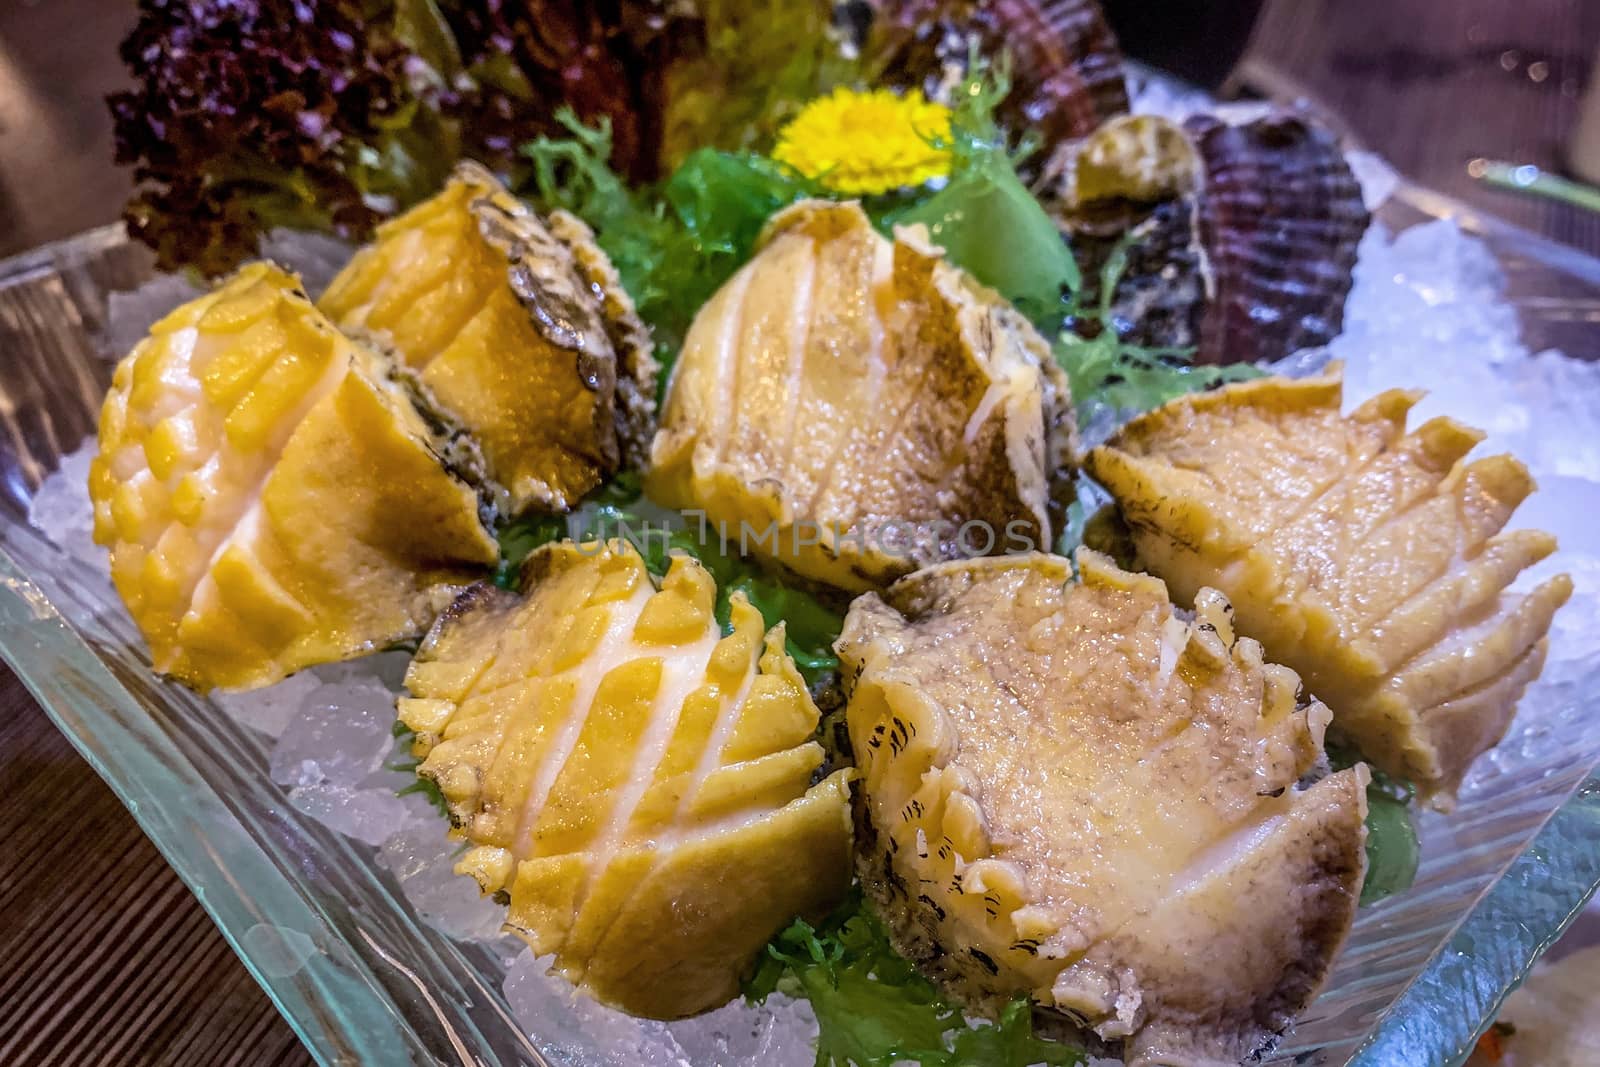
(1280, 217)
(1067, 76)
(1241, 240)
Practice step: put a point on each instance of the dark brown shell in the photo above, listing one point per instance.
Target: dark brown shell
(1280, 217)
(1159, 300)
(1252, 263)
(1066, 74)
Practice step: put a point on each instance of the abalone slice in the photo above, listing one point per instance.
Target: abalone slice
(1068, 791)
(518, 327)
(636, 784)
(854, 402)
(272, 498)
(1370, 560)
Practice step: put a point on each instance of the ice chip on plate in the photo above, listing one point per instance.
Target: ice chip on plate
(637, 784)
(855, 402)
(519, 328)
(1069, 792)
(272, 498)
(1370, 560)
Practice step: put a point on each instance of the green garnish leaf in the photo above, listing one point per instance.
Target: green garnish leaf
(519, 538)
(811, 626)
(1393, 850)
(426, 786)
(1129, 378)
(1032, 266)
(675, 244)
(429, 789)
(874, 1009)
(1105, 371)
(1010, 1042)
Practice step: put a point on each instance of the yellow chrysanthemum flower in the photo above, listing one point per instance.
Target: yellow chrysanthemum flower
(863, 143)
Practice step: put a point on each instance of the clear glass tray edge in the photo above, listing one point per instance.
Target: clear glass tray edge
(132, 769)
(1567, 849)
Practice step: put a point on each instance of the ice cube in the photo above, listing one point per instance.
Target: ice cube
(270, 710)
(782, 1032)
(60, 509)
(422, 858)
(576, 1031)
(387, 669)
(342, 733)
(129, 315)
(1378, 180)
(1427, 310)
(366, 814)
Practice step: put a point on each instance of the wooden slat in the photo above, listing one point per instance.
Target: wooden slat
(107, 958)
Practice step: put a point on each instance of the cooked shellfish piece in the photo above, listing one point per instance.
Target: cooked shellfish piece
(855, 401)
(635, 783)
(1370, 560)
(1068, 791)
(272, 499)
(519, 328)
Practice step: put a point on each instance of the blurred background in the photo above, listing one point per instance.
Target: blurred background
(109, 959)
(1430, 84)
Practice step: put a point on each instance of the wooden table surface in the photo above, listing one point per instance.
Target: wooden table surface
(105, 958)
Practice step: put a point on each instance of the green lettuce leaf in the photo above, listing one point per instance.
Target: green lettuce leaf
(1393, 850)
(675, 244)
(1032, 266)
(874, 1009)
(1107, 372)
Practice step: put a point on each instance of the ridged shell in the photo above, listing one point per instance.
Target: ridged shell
(1066, 75)
(1244, 251)
(1280, 218)
(634, 783)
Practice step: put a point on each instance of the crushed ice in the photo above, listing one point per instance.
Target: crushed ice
(1426, 311)
(60, 508)
(575, 1030)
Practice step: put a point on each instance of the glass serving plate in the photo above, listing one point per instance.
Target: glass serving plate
(369, 981)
